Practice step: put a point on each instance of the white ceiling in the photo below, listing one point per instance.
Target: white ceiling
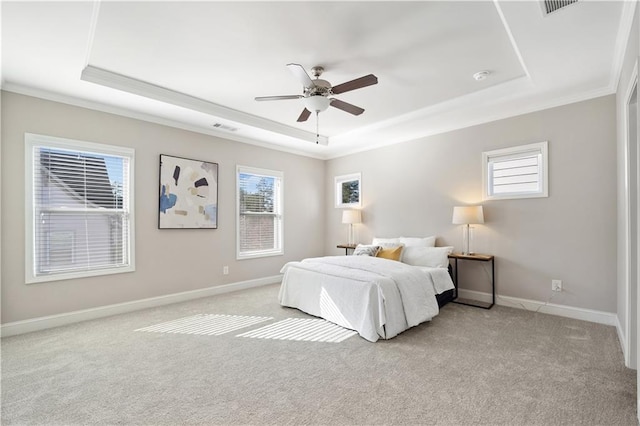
(195, 64)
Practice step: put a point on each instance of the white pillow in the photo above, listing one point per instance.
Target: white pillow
(434, 257)
(387, 241)
(418, 242)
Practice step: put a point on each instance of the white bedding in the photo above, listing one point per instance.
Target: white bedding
(376, 297)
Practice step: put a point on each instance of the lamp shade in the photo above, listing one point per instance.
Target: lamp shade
(351, 216)
(316, 103)
(467, 215)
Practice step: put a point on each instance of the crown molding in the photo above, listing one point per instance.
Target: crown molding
(124, 112)
(622, 40)
(479, 115)
(138, 87)
(343, 145)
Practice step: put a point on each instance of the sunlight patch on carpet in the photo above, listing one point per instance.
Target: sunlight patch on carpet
(302, 329)
(206, 324)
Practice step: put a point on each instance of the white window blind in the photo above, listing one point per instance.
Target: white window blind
(79, 203)
(517, 172)
(259, 206)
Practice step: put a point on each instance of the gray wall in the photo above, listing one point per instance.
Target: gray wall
(167, 261)
(410, 190)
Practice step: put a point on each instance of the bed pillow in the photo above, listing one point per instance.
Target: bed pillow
(366, 250)
(434, 257)
(392, 252)
(418, 242)
(386, 241)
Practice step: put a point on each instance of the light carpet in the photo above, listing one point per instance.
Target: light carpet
(209, 325)
(302, 329)
(467, 366)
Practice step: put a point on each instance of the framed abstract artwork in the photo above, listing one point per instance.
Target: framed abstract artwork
(188, 193)
(348, 191)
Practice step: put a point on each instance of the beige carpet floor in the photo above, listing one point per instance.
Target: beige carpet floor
(467, 366)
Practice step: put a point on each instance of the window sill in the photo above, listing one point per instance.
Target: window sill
(258, 255)
(30, 279)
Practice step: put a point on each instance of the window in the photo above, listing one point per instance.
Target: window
(259, 207)
(79, 208)
(517, 172)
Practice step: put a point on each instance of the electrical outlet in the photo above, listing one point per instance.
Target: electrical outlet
(225, 270)
(556, 285)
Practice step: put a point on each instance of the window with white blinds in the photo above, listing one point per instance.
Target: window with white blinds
(517, 172)
(79, 209)
(259, 207)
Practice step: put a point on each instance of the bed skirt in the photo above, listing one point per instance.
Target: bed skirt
(445, 297)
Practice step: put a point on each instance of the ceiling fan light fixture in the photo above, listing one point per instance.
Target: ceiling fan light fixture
(316, 103)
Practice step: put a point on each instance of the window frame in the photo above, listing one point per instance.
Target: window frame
(34, 140)
(278, 205)
(539, 148)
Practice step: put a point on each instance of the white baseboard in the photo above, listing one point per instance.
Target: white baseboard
(623, 341)
(43, 323)
(590, 315)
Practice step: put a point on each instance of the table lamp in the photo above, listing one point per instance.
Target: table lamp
(467, 215)
(350, 217)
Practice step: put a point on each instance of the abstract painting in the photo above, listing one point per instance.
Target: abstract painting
(188, 193)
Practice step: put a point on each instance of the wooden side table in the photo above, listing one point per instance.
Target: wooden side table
(478, 258)
(347, 247)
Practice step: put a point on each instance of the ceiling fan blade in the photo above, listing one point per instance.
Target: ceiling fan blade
(278, 98)
(299, 72)
(304, 116)
(351, 109)
(367, 80)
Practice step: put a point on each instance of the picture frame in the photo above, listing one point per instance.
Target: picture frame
(348, 190)
(188, 197)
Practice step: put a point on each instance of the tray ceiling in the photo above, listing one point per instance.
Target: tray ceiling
(198, 64)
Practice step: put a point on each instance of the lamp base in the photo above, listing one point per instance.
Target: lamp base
(465, 240)
(350, 237)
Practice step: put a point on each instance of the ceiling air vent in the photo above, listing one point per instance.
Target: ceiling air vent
(550, 6)
(221, 126)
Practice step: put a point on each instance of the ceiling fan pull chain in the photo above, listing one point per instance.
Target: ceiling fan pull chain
(317, 127)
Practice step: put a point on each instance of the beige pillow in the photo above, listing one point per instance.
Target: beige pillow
(392, 253)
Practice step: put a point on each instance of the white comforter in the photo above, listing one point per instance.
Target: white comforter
(376, 297)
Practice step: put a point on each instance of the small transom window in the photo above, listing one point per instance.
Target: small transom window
(516, 172)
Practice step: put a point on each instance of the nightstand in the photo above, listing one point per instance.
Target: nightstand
(347, 247)
(477, 258)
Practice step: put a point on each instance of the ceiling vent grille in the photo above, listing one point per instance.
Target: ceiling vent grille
(221, 126)
(550, 6)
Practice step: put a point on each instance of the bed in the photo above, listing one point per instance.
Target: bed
(377, 297)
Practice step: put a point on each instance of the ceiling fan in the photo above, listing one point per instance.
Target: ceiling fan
(316, 93)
